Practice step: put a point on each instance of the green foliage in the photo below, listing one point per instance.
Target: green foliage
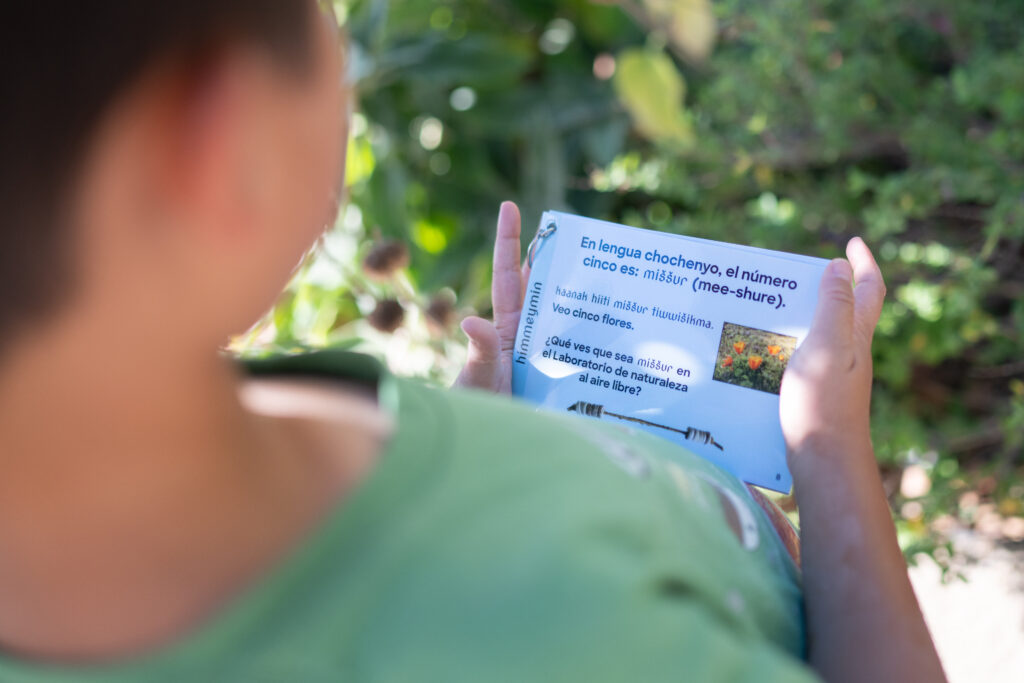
(652, 89)
(787, 124)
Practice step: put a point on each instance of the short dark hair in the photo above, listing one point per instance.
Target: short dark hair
(61, 66)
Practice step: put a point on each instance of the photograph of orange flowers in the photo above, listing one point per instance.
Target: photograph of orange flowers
(752, 358)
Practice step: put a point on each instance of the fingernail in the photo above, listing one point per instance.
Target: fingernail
(508, 206)
(840, 268)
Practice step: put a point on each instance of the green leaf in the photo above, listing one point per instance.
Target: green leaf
(691, 25)
(652, 89)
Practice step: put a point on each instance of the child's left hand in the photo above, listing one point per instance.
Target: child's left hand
(489, 366)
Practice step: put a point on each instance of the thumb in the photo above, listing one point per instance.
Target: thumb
(833, 318)
(484, 358)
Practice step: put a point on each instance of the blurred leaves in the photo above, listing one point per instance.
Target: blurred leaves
(690, 24)
(788, 124)
(653, 90)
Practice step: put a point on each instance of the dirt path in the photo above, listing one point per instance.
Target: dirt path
(978, 626)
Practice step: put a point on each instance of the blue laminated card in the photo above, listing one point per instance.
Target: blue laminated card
(682, 337)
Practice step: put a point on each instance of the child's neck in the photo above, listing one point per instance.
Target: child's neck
(80, 417)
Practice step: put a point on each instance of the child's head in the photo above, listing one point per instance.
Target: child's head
(165, 163)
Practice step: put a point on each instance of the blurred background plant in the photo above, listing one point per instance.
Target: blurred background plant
(787, 124)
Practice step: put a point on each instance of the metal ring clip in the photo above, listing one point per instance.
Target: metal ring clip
(538, 241)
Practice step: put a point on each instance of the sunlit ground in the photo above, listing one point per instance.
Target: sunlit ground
(977, 624)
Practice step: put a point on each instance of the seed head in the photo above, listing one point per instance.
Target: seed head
(385, 258)
(387, 316)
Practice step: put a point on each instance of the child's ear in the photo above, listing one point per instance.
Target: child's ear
(218, 152)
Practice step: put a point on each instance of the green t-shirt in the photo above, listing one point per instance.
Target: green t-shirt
(495, 543)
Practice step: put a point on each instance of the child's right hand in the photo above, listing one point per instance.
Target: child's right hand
(855, 583)
(826, 390)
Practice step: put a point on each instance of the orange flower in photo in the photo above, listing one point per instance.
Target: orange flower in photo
(750, 358)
